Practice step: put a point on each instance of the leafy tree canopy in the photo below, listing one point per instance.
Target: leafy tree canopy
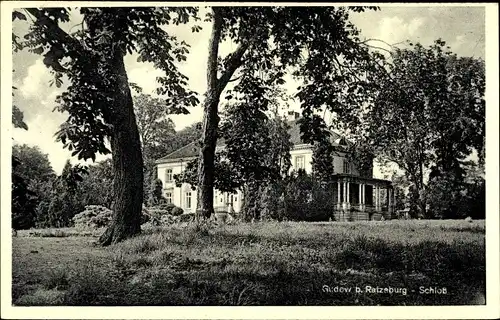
(82, 56)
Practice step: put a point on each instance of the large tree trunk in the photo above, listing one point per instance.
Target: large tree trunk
(205, 194)
(127, 162)
(206, 174)
(215, 86)
(422, 197)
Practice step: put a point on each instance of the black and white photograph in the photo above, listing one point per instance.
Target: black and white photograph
(249, 155)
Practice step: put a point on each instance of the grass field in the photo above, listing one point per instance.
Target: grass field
(410, 262)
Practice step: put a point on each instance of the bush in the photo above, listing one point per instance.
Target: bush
(449, 199)
(93, 217)
(24, 203)
(300, 197)
(305, 199)
(161, 215)
(177, 211)
(167, 207)
(186, 217)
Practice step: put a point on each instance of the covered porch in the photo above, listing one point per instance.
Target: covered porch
(359, 198)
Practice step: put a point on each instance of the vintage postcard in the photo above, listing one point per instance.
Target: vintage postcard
(251, 160)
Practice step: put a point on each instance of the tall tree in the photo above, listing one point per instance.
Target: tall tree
(97, 185)
(279, 159)
(98, 97)
(459, 118)
(428, 114)
(245, 130)
(23, 200)
(35, 164)
(322, 159)
(156, 129)
(65, 201)
(320, 45)
(32, 178)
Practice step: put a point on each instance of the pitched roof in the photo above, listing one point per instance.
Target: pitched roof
(192, 149)
(296, 136)
(189, 151)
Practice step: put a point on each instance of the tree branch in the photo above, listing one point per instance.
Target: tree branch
(379, 48)
(55, 30)
(233, 63)
(235, 79)
(390, 45)
(213, 49)
(348, 68)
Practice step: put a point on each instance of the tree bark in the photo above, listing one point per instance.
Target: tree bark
(206, 174)
(215, 86)
(422, 190)
(127, 162)
(205, 194)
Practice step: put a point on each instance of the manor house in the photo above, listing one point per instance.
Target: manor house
(358, 195)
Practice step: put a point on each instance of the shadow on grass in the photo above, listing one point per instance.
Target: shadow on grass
(282, 280)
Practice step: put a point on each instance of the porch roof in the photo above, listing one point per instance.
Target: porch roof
(367, 180)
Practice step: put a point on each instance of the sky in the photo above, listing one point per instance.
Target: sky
(463, 29)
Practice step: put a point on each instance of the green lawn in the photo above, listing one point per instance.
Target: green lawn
(410, 262)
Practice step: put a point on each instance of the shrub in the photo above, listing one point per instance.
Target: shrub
(186, 217)
(156, 197)
(177, 211)
(452, 199)
(167, 207)
(24, 203)
(308, 200)
(161, 215)
(93, 217)
(300, 197)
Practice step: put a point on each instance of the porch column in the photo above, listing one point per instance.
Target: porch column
(348, 196)
(363, 197)
(360, 203)
(363, 193)
(379, 205)
(344, 194)
(376, 198)
(380, 198)
(389, 195)
(393, 201)
(339, 201)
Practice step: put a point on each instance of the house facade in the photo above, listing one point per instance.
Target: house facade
(358, 196)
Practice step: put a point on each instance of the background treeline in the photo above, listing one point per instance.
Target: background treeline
(41, 198)
(430, 124)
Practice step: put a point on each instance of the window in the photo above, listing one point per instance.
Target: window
(168, 196)
(347, 166)
(168, 175)
(188, 199)
(299, 162)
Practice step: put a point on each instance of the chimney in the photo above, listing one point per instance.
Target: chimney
(292, 115)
